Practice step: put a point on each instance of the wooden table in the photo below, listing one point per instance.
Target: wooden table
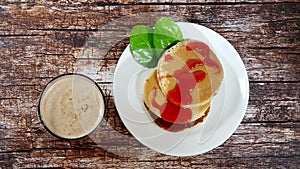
(41, 40)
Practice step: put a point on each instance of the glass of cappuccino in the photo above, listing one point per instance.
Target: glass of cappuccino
(71, 106)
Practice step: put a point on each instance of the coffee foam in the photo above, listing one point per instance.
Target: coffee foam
(71, 106)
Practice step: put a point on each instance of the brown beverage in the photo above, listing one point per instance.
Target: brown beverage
(71, 106)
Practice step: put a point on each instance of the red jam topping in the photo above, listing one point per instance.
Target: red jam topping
(169, 58)
(175, 127)
(172, 113)
(203, 49)
(186, 81)
(180, 95)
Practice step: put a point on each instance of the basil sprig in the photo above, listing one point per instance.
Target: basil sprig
(147, 44)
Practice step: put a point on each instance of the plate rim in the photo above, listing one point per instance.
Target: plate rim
(244, 106)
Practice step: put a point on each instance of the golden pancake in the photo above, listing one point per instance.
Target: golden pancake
(175, 127)
(189, 74)
(158, 106)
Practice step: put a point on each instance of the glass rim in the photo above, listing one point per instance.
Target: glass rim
(100, 112)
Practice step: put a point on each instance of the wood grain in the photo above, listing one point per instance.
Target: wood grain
(42, 39)
(76, 3)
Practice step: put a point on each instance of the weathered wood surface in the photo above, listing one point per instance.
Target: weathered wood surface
(40, 40)
(76, 3)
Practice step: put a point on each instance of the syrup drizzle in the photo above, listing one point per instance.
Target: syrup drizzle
(203, 49)
(169, 58)
(175, 127)
(170, 112)
(186, 81)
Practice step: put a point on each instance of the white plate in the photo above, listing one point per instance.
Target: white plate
(227, 109)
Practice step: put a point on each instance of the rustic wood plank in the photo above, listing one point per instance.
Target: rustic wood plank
(238, 17)
(238, 151)
(265, 61)
(133, 2)
(40, 40)
(202, 163)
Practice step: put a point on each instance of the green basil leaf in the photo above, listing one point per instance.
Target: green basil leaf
(166, 34)
(147, 44)
(141, 46)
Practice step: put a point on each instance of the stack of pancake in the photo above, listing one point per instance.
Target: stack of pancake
(178, 94)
